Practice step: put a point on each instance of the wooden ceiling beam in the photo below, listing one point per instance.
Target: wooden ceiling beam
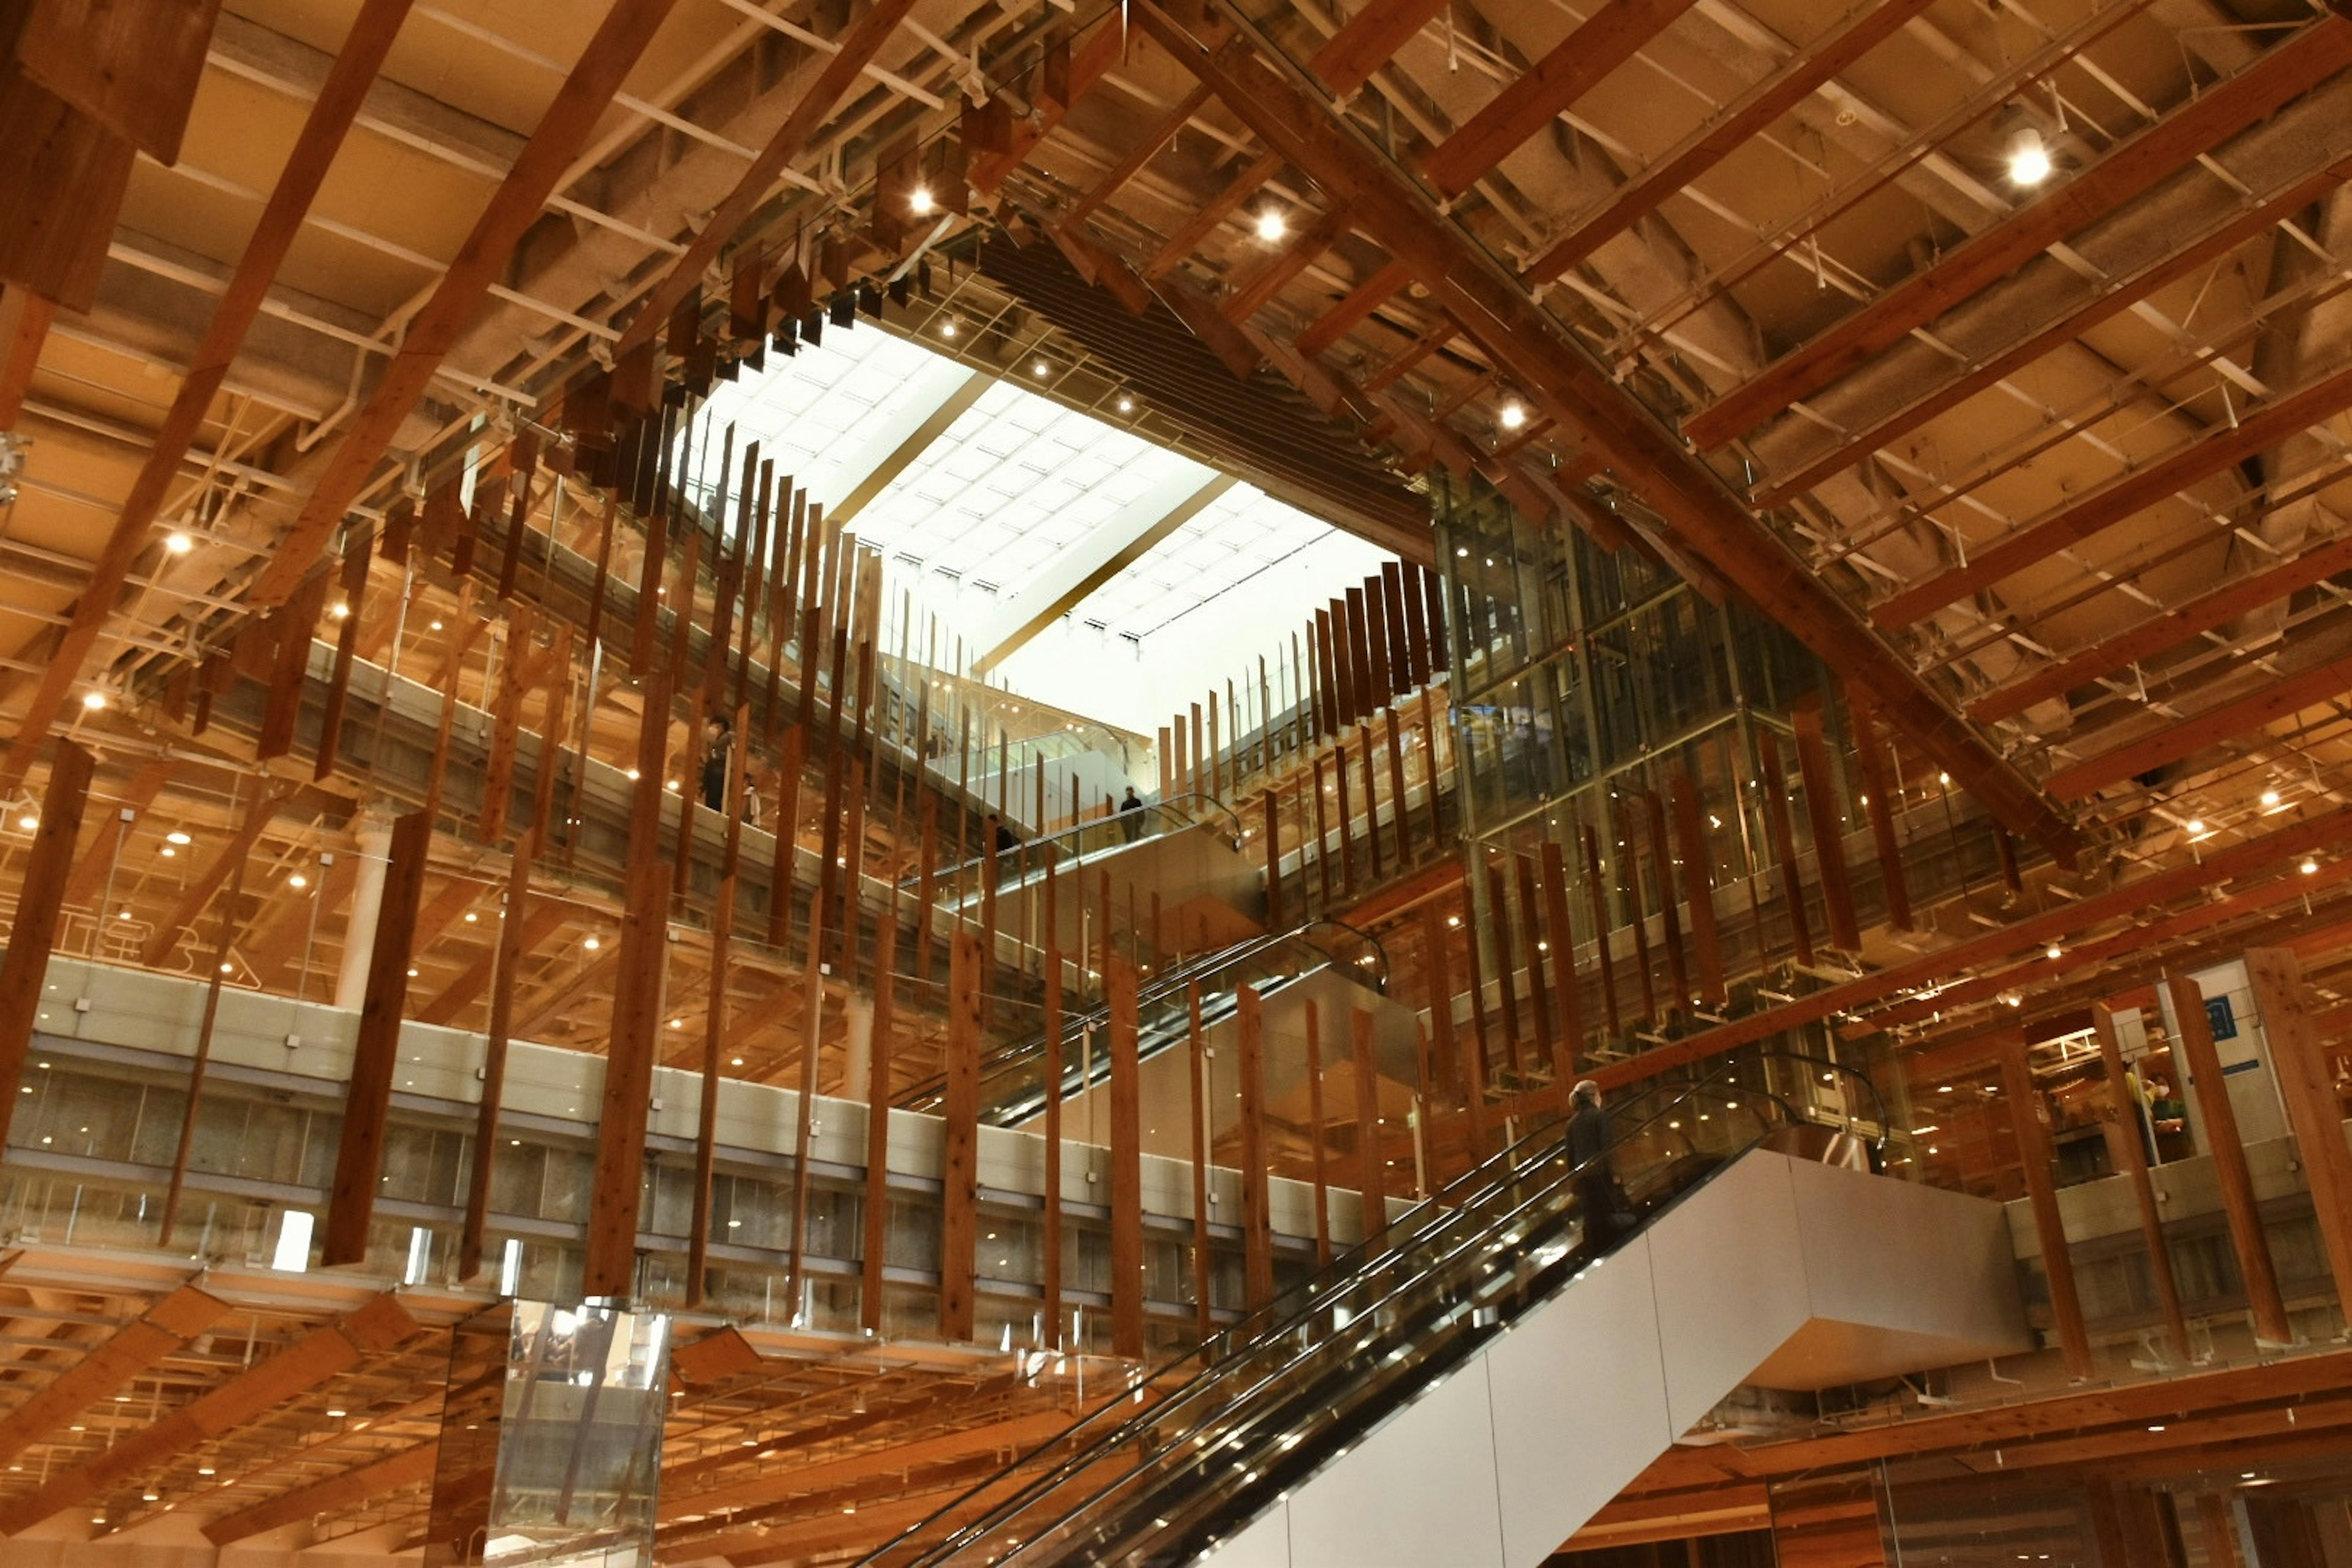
(1258, 290)
(1741, 122)
(25, 320)
(2126, 497)
(1354, 309)
(373, 1481)
(2184, 738)
(201, 888)
(2110, 300)
(1370, 40)
(2291, 68)
(282, 1378)
(165, 1327)
(2153, 636)
(265, 248)
(1089, 65)
(2259, 856)
(1203, 222)
(1531, 347)
(1611, 36)
(587, 91)
(1145, 148)
(841, 71)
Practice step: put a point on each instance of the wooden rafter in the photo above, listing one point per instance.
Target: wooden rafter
(2292, 67)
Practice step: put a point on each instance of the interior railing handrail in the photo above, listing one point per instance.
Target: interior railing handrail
(945, 875)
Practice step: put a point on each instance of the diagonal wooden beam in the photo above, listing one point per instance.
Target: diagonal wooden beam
(2111, 297)
(1610, 36)
(2153, 636)
(841, 71)
(25, 320)
(1143, 151)
(2292, 67)
(546, 917)
(1370, 40)
(2184, 738)
(1255, 293)
(132, 1350)
(1090, 63)
(1215, 211)
(482, 261)
(1523, 342)
(1351, 311)
(207, 882)
(379, 1478)
(331, 113)
(2123, 498)
(1741, 122)
(298, 1370)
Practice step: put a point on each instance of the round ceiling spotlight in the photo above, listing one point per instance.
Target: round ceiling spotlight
(1272, 226)
(1513, 415)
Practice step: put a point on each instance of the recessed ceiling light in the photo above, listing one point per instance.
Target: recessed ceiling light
(1514, 416)
(2269, 797)
(178, 543)
(2029, 160)
(93, 701)
(919, 200)
(298, 881)
(177, 837)
(1271, 224)
(947, 328)
(1040, 368)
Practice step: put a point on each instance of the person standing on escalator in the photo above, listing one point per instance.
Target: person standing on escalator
(1130, 815)
(1588, 1160)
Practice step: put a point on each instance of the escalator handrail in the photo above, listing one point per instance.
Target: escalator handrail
(1175, 979)
(1222, 1351)
(944, 874)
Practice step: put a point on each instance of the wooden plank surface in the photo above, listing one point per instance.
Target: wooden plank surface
(1125, 1163)
(2228, 1151)
(959, 1141)
(32, 929)
(375, 1050)
(1258, 1227)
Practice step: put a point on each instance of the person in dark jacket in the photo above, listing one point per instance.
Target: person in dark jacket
(1587, 1158)
(717, 731)
(1130, 815)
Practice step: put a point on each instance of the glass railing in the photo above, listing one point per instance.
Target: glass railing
(1014, 1078)
(1256, 1409)
(1019, 864)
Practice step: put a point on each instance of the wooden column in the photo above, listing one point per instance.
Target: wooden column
(1049, 1244)
(2300, 1059)
(1125, 1164)
(1662, 856)
(1878, 806)
(2229, 1152)
(358, 1154)
(32, 935)
(960, 1136)
(1597, 894)
(1273, 864)
(2131, 1158)
(1568, 1046)
(1257, 1226)
(1441, 991)
(1821, 813)
(714, 1018)
(1499, 925)
(2026, 1119)
(1372, 1181)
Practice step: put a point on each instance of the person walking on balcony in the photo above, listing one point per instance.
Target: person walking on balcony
(1130, 815)
(1588, 1160)
(714, 758)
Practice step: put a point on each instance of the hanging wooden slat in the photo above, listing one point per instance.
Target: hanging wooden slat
(714, 1020)
(1569, 1048)
(1270, 825)
(2040, 1161)
(1441, 991)
(1318, 1129)
(959, 1141)
(2228, 1150)
(927, 883)
(2307, 1083)
(1049, 1241)
(1392, 614)
(2129, 1150)
(375, 1049)
(1347, 817)
(1597, 895)
(1371, 1179)
(292, 624)
(506, 726)
(1784, 841)
(1257, 1226)
(1662, 860)
(1629, 887)
(1813, 767)
(510, 948)
(1397, 802)
(1878, 805)
(1198, 1070)
(1698, 893)
(875, 1250)
(1429, 768)
(1498, 925)
(32, 929)
(811, 1082)
(1125, 1164)
(618, 1183)
(353, 583)
(1533, 946)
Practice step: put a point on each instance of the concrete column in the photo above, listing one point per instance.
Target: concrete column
(367, 898)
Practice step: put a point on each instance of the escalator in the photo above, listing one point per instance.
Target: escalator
(1025, 864)
(1474, 1386)
(1013, 1076)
